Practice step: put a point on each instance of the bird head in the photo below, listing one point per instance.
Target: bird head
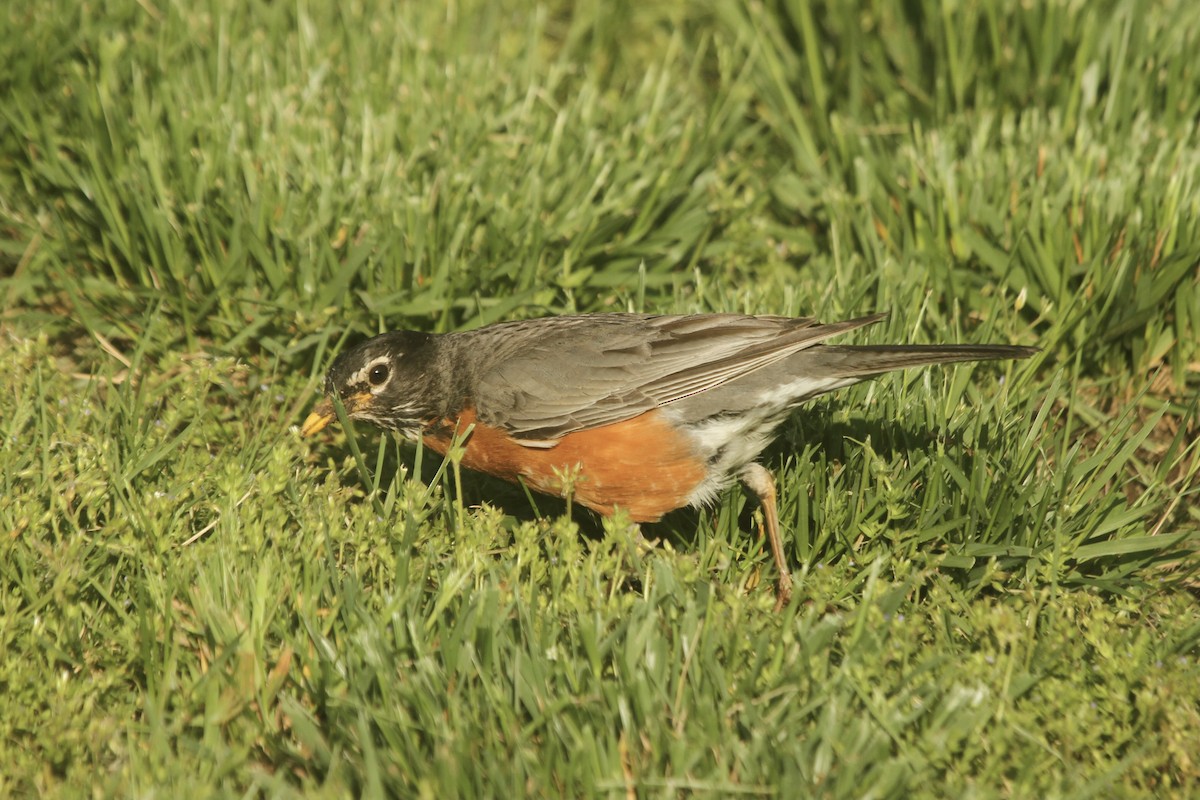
(379, 381)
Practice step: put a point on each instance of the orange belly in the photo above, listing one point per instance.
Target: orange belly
(642, 465)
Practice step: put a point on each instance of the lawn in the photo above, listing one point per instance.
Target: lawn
(996, 565)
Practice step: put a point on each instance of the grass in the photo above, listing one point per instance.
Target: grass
(996, 589)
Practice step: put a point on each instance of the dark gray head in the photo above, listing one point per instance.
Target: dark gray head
(388, 381)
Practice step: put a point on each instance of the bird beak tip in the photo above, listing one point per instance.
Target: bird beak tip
(321, 416)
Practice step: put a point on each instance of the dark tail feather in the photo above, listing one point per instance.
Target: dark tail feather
(862, 361)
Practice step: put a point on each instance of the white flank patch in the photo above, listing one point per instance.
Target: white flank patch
(730, 442)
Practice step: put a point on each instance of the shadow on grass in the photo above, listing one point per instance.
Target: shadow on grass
(680, 527)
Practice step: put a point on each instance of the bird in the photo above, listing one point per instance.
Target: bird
(641, 412)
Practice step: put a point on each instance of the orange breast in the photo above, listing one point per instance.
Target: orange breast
(642, 465)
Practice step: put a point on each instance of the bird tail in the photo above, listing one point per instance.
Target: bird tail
(863, 361)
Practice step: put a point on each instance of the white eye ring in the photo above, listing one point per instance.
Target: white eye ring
(375, 374)
(379, 375)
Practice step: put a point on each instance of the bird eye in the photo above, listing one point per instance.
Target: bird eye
(378, 375)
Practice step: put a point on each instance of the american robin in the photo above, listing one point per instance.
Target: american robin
(646, 413)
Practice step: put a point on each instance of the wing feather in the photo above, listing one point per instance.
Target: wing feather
(584, 372)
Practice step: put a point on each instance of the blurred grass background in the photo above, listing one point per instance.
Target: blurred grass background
(199, 203)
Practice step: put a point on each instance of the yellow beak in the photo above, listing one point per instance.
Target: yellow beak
(325, 413)
(321, 416)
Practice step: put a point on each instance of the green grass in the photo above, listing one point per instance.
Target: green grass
(200, 203)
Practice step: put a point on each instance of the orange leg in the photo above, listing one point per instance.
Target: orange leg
(760, 483)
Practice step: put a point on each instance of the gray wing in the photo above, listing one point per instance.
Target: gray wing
(575, 373)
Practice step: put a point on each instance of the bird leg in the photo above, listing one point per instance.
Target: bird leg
(759, 482)
(645, 546)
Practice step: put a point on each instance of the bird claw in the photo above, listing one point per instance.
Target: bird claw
(783, 592)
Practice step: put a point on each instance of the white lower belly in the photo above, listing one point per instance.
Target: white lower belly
(729, 442)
